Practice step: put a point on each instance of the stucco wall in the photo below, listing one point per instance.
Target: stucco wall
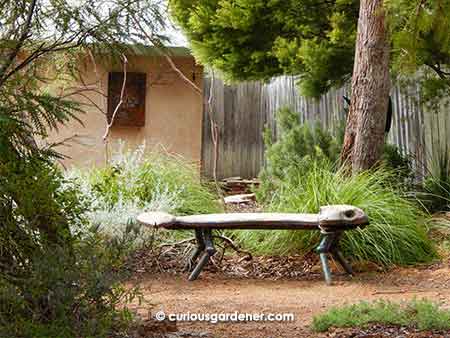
(173, 113)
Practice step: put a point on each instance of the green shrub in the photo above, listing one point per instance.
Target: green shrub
(399, 163)
(68, 292)
(396, 234)
(151, 180)
(301, 175)
(299, 145)
(421, 314)
(56, 279)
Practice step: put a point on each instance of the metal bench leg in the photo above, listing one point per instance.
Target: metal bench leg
(197, 251)
(326, 246)
(330, 245)
(325, 267)
(208, 252)
(340, 258)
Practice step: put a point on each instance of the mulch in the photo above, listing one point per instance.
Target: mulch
(172, 260)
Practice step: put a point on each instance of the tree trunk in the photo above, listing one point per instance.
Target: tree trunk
(364, 134)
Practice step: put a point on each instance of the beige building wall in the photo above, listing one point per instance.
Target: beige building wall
(173, 113)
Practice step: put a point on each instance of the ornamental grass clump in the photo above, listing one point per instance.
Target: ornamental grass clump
(397, 233)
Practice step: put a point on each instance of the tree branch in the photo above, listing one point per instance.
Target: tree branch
(122, 93)
(22, 38)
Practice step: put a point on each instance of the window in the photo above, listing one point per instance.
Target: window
(131, 112)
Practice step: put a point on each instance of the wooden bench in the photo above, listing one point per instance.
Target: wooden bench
(331, 221)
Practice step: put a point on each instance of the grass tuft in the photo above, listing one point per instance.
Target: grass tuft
(397, 233)
(421, 314)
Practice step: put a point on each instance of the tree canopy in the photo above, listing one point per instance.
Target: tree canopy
(258, 39)
(420, 32)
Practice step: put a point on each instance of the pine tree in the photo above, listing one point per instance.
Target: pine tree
(315, 40)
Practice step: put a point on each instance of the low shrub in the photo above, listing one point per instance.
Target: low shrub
(58, 276)
(69, 292)
(301, 175)
(297, 145)
(397, 233)
(138, 181)
(300, 145)
(421, 314)
(167, 181)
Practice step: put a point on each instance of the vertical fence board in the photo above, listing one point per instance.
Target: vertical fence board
(242, 110)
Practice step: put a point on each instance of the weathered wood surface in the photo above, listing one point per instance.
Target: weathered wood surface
(242, 110)
(366, 122)
(334, 217)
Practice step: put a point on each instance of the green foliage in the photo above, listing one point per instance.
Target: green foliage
(399, 163)
(421, 40)
(152, 181)
(56, 278)
(300, 177)
(396, 234)
(297, 146)
(248, 39)
(422, 314)
(35, 209)
(64, 292)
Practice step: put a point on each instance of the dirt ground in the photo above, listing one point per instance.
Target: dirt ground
(304, 296)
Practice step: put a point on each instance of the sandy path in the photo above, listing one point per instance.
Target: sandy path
(218, 293)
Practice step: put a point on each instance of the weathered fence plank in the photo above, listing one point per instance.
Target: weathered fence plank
(242, 110)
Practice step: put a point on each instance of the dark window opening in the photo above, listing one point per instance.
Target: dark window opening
(131, 112)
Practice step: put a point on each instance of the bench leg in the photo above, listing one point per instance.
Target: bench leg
(340, 258)
(325, 267)
(330, 245)
(197, 251)
(209, 251)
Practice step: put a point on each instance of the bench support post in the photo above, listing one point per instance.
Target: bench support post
(197, 251)
(330, 245)
(204, 244)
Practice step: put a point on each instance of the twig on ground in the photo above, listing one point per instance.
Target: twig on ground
(234, 246)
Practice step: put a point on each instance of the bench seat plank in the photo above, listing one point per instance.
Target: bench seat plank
(269, 221)
(248, 221)
(332, 221)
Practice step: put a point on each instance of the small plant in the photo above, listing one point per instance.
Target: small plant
(138, 181)
(297, 146)
(69, 292)
(421, 314)
(399, 163)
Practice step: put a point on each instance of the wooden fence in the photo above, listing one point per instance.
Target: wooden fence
(241, 111)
